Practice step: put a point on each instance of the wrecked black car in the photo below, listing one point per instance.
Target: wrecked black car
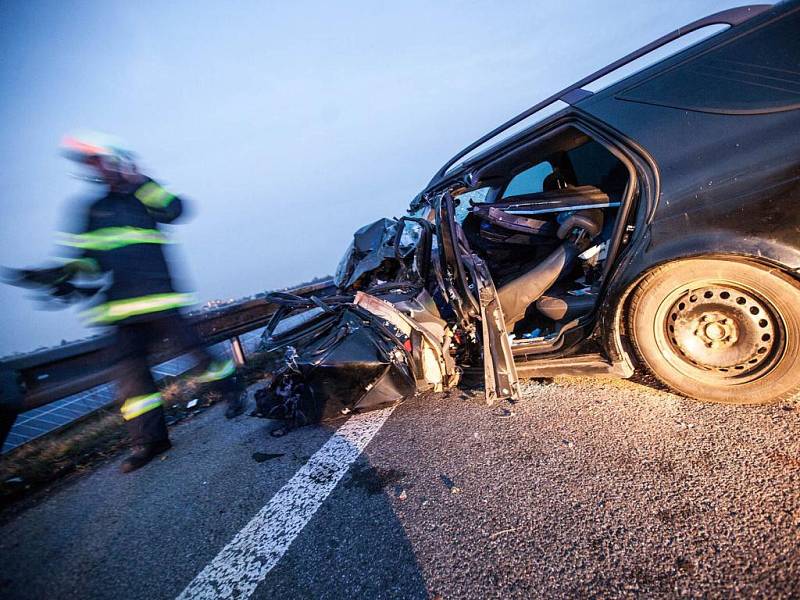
(649, 224)
(381, 339)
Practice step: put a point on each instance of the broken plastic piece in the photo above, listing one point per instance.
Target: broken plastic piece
(597, 252)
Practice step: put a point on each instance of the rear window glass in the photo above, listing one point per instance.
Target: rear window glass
(529, 181)
(591, 164)
(758, 72)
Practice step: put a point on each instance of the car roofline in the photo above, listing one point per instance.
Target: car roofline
(575, 93)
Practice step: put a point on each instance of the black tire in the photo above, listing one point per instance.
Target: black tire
(719, 330)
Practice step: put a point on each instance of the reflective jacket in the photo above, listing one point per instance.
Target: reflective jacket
(119, 234)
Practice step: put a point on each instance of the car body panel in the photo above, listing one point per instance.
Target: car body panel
(717, 184)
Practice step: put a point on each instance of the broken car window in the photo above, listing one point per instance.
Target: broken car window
(467, 199)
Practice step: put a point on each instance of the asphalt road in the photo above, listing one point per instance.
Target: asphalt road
(586, 488)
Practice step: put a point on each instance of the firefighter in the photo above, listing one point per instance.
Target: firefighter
(120, 235)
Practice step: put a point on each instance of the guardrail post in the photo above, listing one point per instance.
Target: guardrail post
(238, 351)
(10, 402)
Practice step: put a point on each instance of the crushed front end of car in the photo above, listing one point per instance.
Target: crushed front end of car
(399, 324)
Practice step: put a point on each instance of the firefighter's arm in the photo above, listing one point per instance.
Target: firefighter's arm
(76, 260)
(161, 204)
(56, 281)
(71, 277)
(72, 280)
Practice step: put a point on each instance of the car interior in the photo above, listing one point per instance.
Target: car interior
(543, 219)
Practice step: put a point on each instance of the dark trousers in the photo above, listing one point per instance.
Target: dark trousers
(142, 406)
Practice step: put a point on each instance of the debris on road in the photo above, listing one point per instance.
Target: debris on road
(450, 484)
(376, 481)
(502, 532)
(505, 413)
(260, 457)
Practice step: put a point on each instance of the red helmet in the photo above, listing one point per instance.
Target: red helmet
(99, 151)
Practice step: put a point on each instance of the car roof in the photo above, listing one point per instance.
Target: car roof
(461, 163)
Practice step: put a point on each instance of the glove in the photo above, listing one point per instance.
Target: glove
(34, 277)
(54, 282)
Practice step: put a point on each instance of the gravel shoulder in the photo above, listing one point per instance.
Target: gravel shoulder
(597, 488)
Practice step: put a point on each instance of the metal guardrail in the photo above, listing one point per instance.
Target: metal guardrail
(34, 380)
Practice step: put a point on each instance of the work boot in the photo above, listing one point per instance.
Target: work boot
(141, 455)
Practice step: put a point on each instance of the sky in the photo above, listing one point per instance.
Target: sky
(285, 125)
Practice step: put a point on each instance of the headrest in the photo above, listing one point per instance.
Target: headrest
(590, 221)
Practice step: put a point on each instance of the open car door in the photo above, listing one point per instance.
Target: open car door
(471, 292)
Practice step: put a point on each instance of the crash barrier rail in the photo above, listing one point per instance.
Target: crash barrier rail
(40, 378)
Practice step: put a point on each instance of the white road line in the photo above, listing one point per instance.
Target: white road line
(249, 556)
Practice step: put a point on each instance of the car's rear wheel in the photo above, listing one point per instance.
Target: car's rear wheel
(719, 330)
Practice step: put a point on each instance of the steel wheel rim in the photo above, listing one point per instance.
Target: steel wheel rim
(720, 330)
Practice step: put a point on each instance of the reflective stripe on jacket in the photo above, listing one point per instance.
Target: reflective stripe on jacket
(119, 310)
(138, 405)
(120, 234)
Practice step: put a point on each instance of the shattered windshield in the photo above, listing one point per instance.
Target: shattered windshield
(381, 252)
